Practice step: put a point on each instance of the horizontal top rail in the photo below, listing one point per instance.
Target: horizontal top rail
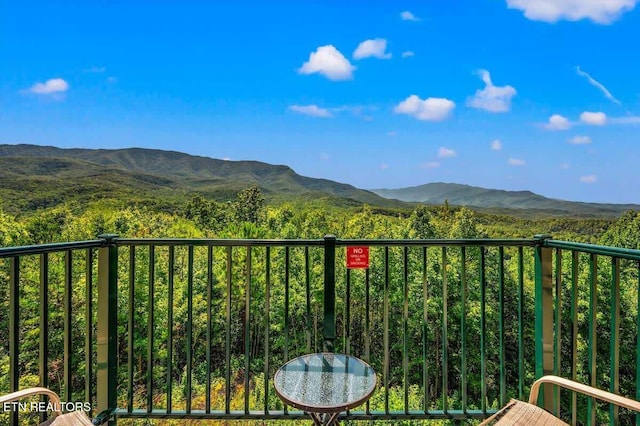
(214, 242)
(227, 242)
(478, 242)
(621, 253)
(320, 242)
(49, 248)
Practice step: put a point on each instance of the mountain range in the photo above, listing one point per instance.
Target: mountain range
(467, 195)
(33, 176)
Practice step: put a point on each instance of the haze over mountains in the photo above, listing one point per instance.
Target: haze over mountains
(33, 176)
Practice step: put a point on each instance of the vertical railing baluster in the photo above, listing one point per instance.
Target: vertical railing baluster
(367, 324)
(329, 318)
(347, 320)
(463, 325)
(44, 327)
(247, 329)
(286, 309)
(575, 260)
(287, 271)
(503, 372)
(557, 344)
(67, 395)
(130, 325)
(227, 350)
(592, 343)
(425, 329)
(544, 316)
(189, 337)
(207, 402)
(405, 327)
(14, 331)
(307, 282)
(483, 331)
(445, 332)
(386, 330)
(150, 326)
(107, 335)
(267, 299)
(520, 323)
(88, 342)
(614, 385)
(171, 279)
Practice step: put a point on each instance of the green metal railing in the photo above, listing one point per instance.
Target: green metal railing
(195, 329)
(577, 333)
(27, 269)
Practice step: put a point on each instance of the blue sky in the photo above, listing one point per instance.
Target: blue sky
(508, 94)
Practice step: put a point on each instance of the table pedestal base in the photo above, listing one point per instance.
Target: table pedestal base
(324, 419)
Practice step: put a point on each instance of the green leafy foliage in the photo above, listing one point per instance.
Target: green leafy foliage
(431, 284)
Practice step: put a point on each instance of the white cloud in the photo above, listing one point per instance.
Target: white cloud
(580, 140)
(407, 54)
(516, 162)
(227, 158)
(492, 98)
(374, 48)
(430, 109)
(598, 85)
(446, 152)
(598, 11)
(496, 145)
(328, 61)
(384, 166)
(408, 16)
(112, 80)
(430, 165)
(589, 179)
(392, 133)
(565, 166)
(53, 85)
(558, 122)
(312, 110)
(593, 118)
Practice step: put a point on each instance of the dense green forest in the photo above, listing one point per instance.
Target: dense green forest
(294, 324)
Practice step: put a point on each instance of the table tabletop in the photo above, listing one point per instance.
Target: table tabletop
(325, 382)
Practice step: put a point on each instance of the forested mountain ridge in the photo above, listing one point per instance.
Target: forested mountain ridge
(33, 176)
(473, 196)
(159, 173)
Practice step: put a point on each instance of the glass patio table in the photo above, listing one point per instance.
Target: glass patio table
(325, 384)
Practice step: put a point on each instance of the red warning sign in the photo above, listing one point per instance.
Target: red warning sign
(357, 257)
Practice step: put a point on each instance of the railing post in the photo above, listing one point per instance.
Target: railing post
(14, 331)
(544, 316)
(329, 330)
(107, 325)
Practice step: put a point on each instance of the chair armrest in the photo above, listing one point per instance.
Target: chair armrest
(103, 416)
(583, 389)
(25, 393)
